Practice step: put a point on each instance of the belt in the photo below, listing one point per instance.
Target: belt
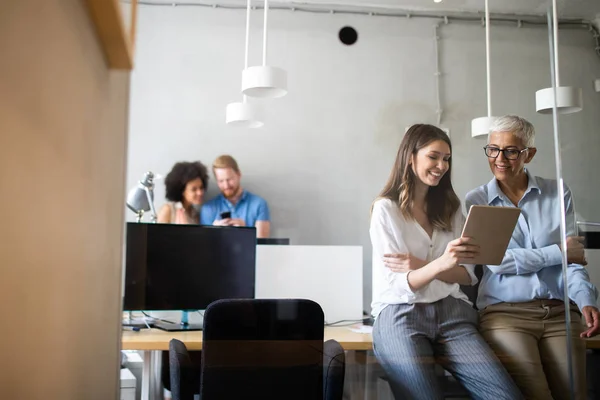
(542, 303)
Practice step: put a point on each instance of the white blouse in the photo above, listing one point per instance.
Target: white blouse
(392, 233)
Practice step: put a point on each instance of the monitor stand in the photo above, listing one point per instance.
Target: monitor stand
(182, 326)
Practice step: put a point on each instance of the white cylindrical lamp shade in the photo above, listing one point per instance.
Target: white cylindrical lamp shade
(481, 126)
(264, 81)
(243, 115)
(568, 100)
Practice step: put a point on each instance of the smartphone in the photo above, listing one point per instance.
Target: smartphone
(226, 214)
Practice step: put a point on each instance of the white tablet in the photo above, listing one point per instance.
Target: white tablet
(491, 228)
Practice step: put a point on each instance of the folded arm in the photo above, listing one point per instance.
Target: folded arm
(460, 274)
(425, 275)
(444, 269)
(581, 290)
(384, 241)
(526, 261)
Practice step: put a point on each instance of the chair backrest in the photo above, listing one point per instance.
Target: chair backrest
(181, 371)
(268, 349)
(334, 368)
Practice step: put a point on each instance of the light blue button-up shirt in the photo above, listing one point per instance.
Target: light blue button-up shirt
(532, 266)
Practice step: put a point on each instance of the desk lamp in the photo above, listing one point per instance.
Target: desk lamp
(141, 198)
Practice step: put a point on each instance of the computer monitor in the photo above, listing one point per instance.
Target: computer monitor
(590, 232)
(187, 267)
(591, 239)
(282, 241)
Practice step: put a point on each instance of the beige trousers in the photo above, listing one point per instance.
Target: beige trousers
(531, 341)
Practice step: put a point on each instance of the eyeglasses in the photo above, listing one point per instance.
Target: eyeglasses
(509, 154)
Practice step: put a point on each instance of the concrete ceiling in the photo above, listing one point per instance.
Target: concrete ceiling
(585, 9)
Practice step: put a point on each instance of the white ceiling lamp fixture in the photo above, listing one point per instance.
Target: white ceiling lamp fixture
(568, 99)
(481, 126)
(263, 80)
(244, 114)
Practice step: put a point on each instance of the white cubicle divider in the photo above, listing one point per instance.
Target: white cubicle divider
(128, 385)
(329, 275)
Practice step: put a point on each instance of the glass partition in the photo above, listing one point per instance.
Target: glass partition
(358, 79)
(574, 67)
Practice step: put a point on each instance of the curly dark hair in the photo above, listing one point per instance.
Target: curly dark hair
(182, 173)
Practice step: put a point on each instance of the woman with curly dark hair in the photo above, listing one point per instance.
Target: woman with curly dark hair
(185, 185)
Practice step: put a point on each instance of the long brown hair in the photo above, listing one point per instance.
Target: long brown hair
(442, 201)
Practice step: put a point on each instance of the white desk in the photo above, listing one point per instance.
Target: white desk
(152, 341)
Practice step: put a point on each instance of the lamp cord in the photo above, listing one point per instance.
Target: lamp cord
(555, 35)
(264, 59)
(247, 44)
(487, 59)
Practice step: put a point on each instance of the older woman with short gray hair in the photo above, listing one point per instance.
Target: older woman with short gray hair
(521, 300)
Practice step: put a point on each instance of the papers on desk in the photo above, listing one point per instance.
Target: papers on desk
(362, 329)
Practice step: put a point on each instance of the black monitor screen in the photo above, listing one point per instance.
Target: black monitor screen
(591, 239)
(187, 267)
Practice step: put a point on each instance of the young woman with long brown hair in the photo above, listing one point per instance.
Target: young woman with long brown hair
(421, 315)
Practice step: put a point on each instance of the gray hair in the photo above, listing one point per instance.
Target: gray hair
(518, 126)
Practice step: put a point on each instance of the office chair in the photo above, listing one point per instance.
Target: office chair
(334, 369)
(185, 377)
(269, 349)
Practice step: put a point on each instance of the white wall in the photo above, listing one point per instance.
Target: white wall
(327, 147)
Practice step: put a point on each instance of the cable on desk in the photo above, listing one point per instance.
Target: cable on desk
(344, 322)
(157, 319)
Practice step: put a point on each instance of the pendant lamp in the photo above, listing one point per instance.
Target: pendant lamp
(244, 114)
(263, 80)
(568, 99)
(481, 126)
